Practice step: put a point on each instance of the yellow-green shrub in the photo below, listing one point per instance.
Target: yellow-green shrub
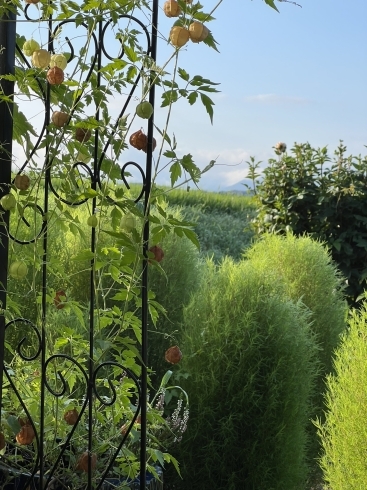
(344, 433)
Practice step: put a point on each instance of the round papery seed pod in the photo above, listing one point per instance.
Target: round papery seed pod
(154, 144)
(2, 441)
(29, 47)
(71, 416)
(173, 355)
(81, 157)
(280, 147)
(18, 269)
(60, 299)
(22, 182)
(58, 60)
(144, 109)
(83, 462)
(92, 221)
(138, 140)
(26, 435)
(158, 253)
(171, 8)
(179, 36)
(82, 134)
(41, 58)
(128, 222)
(59, 118)
(198, 32)
(55, 76)
(8, 202)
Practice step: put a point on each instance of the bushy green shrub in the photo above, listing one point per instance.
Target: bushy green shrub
(305, 192)
(344, 434)
(307, 272)
(306, 269)
(252, 361)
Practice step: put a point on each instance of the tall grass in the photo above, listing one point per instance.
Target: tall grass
(210, 201)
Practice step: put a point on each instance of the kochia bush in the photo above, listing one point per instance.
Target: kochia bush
(344, 434)
(252, 362)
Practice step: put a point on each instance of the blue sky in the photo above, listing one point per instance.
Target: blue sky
(299, 75)
(295, 76)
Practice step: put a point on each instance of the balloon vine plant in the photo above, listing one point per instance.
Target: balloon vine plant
(77, 408)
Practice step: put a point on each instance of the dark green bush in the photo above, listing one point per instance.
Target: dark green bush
(344, 434)
(306, 192)
(252, 362)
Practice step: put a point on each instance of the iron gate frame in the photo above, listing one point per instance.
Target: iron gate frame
(7, 66)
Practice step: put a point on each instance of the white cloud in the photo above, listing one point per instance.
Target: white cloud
(276, 99)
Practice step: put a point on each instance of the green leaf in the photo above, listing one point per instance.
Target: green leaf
(211, 42)
(208, 103)
(183, 74)
(130, 53)
(271, 4)
(85, 254)
(192, 97)
(169, 154)
(13, 423)
(191, 235)
(78, 313)
(176, 172)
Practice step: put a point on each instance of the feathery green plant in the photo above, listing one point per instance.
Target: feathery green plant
(252, 361)
(344, 433)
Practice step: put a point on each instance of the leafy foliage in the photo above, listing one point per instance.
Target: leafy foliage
(80, 301)
(306, 192)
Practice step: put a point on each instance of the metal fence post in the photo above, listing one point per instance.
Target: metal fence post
(7, 62)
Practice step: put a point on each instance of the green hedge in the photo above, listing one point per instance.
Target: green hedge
(252, 361)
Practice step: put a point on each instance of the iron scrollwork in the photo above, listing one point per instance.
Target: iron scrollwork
(95, 381)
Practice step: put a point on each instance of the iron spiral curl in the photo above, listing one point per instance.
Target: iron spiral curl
(94, 175)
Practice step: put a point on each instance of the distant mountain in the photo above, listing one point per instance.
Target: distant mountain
(239, 187)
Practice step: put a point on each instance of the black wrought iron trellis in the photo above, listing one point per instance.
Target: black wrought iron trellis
(95, 174)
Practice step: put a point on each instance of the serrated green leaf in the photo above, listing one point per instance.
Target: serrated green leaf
(208, 104)
(191, 235)
(183, 74)
(130, 53)
(169, 154)
(192, 98)
(176, 172)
